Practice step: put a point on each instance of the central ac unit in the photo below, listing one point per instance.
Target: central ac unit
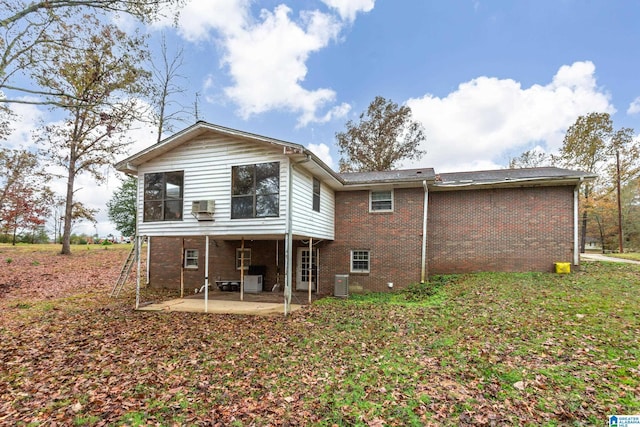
(203, 207)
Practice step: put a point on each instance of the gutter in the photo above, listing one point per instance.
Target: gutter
(542, 179)
(423, 273)
(576, 245)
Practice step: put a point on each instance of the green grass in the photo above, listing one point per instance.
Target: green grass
(489, 348)
(635, 256)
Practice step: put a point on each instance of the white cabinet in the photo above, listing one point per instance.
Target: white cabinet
(252, 283)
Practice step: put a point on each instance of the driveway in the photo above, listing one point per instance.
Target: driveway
(600, 257)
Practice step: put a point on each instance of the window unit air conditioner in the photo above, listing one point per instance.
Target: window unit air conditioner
(203, 209)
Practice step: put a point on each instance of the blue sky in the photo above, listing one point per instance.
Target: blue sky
(487, 79)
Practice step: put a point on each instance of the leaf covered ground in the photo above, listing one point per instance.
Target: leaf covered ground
(483, 349)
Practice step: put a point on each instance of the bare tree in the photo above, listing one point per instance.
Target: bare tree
(165, 76)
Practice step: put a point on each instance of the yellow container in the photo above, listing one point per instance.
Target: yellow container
(563, 267)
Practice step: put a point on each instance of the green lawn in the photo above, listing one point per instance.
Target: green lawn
(481, 349)
(632, 255)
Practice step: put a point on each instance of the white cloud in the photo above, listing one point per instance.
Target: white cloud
(475, 126)
(197, 18)
(266, 56)
(348, 9)
(323, 152)
(26, 120)
(267, 64)
(634, 107)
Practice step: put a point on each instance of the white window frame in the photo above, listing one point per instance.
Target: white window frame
(371, 201)
(247, 258)
(352, 259)
(190, 256)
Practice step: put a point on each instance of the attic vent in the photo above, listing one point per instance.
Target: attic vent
(203, 209)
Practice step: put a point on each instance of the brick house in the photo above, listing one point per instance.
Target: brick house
(222, 205)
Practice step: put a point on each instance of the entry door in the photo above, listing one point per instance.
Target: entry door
(302, 269)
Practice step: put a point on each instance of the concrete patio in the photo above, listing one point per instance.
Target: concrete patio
(261, 304)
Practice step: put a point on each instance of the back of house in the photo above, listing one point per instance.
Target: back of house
(223, 206)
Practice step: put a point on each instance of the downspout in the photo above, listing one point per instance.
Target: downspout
(288, 245)
(576, 249)
(423, 274)
(148, 259)
(310, 267)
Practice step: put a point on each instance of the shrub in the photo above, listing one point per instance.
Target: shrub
(422, 291)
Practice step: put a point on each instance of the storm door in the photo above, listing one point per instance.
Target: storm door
(302, 269)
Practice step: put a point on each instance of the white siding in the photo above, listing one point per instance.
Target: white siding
(305, 221)
(207, 163)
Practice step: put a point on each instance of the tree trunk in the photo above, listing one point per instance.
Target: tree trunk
(583, 236)
(68, 210)
(601, 230)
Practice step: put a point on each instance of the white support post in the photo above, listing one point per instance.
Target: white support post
(206, 274)
(138, 262)
(288, 260)
(310, 273)
(576, 244)
(182, 272)
(242, 270)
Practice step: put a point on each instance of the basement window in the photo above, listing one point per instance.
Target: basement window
(360, 261)
(191, 258)
(239, 260)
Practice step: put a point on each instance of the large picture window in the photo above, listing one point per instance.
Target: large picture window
(255, 191)
(163, 196)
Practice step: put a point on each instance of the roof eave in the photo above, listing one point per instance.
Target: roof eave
(155, 150)
(515, 183)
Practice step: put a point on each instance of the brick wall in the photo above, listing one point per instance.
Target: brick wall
(520, 229)
(166, 258)
(468, 230)
(394, 239)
